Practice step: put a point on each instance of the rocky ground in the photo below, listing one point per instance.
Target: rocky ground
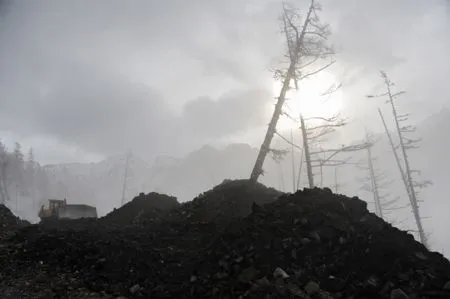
(235, 241)
(9, 223)
(145, 207)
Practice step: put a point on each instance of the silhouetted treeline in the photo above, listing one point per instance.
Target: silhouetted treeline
(23, 182)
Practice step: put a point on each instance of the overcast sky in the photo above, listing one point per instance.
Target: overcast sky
(84, 79)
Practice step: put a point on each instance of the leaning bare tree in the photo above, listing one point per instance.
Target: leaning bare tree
(376, 182)
(306, 40)
(405, 144)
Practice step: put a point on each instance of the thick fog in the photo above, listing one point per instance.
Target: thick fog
(84, 81)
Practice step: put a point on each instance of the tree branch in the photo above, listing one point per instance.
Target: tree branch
(318, 70)
(289, 142)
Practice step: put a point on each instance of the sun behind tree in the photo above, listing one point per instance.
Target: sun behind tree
(319, 96)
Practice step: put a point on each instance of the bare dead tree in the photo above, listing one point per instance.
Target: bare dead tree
(314, 134)
(293, 147)
(311, 135)
(4, 193)
(376, 182)
(31, 171)
(337, 185)
(300, 168)
(4, 174)
(316, 156)
(405, 143)
(330, 157)
(306, 48)
(125, 177)
(322, 163)
(278, 155)
(294, 186)
(306, 151)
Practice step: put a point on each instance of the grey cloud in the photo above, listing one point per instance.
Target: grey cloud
(372, 32)
(103, 112)
(232, 113)
(75, 71)
(95, 109)
(408, 39)
(112, 74)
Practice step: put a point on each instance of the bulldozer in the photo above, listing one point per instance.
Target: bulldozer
(59, 209)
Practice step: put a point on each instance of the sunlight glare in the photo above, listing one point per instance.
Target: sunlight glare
(309, 99)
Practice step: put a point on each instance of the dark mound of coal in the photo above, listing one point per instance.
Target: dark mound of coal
(319, 245)
(229, 200)
(312, 244)
(9, 222)
(144, 207)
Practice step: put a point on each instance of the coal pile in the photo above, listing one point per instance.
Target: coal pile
(8, 222)
(312, 244)
(230, 200)
(318, 245)
(145, 207)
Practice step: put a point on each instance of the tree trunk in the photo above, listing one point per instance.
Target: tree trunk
(125, 178)
(293, 163)
(282, 185)
(321, 175)
(408, 173)
(412, 192)
(290, 75)
(2, 194)
(4, 191)
(373, 180)
(412, 197)
(300, 167)
(307, 154)
(265, 147)
(336, 186)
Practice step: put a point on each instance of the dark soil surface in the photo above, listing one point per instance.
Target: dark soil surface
(9, 222)
(225, 202)
(312, 244)
(144, 207)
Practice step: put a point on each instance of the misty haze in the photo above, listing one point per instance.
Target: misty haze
(224, 149)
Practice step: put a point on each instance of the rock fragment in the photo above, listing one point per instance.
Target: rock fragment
(312, 288)
(134, 289)
(280, 273)
(398, 294)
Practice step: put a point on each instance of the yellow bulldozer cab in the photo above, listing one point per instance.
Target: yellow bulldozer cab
(56, 203)
(60, 209)
(53, 206)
